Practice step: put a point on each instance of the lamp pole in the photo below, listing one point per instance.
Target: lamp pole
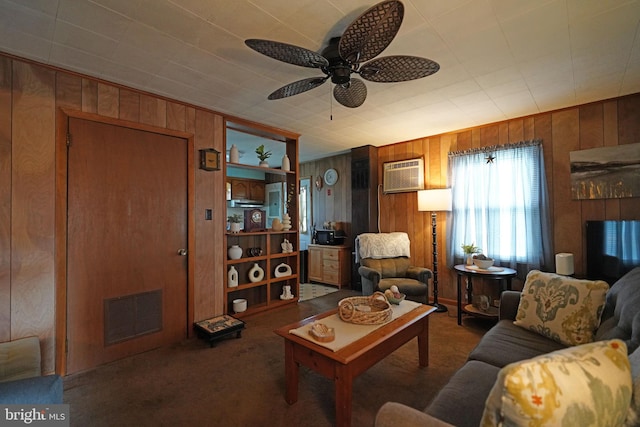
(437, 200)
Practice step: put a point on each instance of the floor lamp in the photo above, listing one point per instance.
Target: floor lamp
(433, 201)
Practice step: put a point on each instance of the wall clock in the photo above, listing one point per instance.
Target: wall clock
(331, 176)
(254, 220)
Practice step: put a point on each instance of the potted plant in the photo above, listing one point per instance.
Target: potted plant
(234, 222)
(263, 155)
(469, 250)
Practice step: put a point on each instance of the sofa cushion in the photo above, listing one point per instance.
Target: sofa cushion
(393, 414)
(621, 317)
(388, 267)
(633, 417)
(564, 309)
(461, 401)
(507, 343)
(586, 385)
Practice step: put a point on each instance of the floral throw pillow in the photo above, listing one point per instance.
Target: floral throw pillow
(583, 386)
(561, 308)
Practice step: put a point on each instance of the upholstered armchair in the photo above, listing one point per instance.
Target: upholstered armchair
(379, 274)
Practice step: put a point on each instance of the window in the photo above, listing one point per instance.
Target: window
(500, 204)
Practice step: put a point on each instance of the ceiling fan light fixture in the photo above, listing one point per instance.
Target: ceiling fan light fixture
(340, 74)
(364, 39)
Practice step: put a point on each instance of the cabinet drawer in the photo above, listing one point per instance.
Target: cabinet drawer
(328, 264)
(330, 254)
(331, 276)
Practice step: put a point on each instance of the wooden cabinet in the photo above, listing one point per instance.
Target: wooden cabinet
(330, 264)
(246, 189)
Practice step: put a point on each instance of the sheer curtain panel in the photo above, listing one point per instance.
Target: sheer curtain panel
(500, 203)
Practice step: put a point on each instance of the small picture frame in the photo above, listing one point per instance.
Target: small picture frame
(210, 159)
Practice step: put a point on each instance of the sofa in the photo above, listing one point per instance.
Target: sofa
(507, 346)
(21, 381)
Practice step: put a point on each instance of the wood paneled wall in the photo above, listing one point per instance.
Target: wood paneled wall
(31, 95)
(598, 124)
(331, 203)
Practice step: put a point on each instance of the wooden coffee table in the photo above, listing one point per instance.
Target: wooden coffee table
(347, 363)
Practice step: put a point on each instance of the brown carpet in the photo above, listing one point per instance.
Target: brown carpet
(240, 382)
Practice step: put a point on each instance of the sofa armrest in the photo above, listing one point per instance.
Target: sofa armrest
(509, 302)
(370, 279)
(47, 389)
(393, 414)
(420, 274)
(20, 359)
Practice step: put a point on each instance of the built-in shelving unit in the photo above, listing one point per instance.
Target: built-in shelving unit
(265, 294)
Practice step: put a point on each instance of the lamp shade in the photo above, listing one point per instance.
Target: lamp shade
(434, 200)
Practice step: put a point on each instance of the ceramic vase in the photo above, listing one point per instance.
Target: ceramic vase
(276, 225)
(469, 259)
(286, 164)
(234, 155)
(234, 227)
(286, 222)
(234, 252)
(232, 277)
(256, 273)
(264, 164)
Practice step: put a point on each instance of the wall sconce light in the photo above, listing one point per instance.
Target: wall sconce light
(209, 159)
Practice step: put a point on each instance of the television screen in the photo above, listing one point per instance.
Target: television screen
(613, 248)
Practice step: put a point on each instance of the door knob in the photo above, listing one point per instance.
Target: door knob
(182, 252)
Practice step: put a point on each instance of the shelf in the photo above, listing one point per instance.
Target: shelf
(259, 233)
(246, 259)
(245, 286)
(283, 279)
(284, 255)
(265, 294)
(276, 171)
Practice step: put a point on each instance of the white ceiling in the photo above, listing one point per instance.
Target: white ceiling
(499, 59)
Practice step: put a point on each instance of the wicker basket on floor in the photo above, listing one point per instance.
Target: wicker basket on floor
(368, 310)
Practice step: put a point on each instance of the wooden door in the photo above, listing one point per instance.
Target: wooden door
(127, 220)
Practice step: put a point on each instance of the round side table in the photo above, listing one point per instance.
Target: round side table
(493, 273)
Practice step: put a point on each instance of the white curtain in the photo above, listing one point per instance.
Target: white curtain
(500, 204)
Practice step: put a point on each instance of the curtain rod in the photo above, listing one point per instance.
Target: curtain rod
(493, 148)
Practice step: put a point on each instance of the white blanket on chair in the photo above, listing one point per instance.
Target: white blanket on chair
(382, 245)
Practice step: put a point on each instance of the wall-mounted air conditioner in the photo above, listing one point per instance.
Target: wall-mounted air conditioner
(403, 176)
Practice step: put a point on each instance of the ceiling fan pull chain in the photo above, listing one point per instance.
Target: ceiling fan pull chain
(331, 105)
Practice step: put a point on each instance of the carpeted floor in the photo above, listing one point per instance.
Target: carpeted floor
(240, 382)
(313, 290)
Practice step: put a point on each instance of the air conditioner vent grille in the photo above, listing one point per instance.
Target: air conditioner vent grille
(403, 176)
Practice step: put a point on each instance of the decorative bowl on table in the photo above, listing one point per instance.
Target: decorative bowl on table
(483, 263)
(394, 297)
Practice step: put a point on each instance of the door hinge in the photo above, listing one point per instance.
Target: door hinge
(68, 140)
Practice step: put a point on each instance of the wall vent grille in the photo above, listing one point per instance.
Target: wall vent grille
(403, 176)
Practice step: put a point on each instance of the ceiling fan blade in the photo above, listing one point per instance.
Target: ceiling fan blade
(351, 94)
(367, 36)
(297, 87)
(288, 53)
(391, 69)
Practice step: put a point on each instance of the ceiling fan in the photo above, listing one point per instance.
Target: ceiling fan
(364, 39)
